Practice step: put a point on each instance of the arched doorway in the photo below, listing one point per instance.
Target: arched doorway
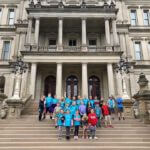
(50, 85)
(94, 86)
(2, 84)
(72, 86)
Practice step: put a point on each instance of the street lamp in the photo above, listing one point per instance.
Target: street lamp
(19, 68)
(123, 67)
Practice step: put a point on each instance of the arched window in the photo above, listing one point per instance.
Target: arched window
(2, 84)
(50, 85)
(72, 86)
(94, 87)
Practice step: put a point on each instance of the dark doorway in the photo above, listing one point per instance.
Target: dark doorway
(50, 85)
(94, 87)
(2, 84)
(72, 86)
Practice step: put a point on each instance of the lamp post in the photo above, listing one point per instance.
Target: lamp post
(19, 68)
(123, 67)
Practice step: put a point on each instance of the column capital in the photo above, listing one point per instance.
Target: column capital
(37, 18)
(107, 18)
(60, 18)
(83, 18)
(59, 63)
(84, 63)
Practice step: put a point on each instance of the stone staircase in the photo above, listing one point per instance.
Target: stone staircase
(28, 133)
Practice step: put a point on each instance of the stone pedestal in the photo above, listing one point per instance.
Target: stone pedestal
(143, 97)
(128, 112)
(14, 108)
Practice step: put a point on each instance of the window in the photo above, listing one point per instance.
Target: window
(11, 16)
(146, 17)
(72, 43)
(138, 53)
(92, 42)
(52, 42)
(149, 48)
(0, 14)
(6, 50)
(133, 18)
(2, 84)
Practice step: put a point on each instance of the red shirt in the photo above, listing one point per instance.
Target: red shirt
(92, 119)
(105, 110)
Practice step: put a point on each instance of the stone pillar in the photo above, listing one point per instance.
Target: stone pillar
(37, 29)
(107, 31)
(110, 75)
(114, 28)
(33, 79)
(59, 80)
(84, 41)
(29, 31)
(60, 35)
(84, 80)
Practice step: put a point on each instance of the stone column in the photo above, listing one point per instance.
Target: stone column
(59, 80)
(60, 35)
(114, 28)
(84, 41)
(107, 31)
(33, 79)
(29, 31)
(84, 80)
(110, 75)
(37, 29)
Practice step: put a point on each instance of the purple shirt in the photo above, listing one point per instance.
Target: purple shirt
(82, 109)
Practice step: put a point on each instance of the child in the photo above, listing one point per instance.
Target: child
(41, 107)
(68, 123)
(98, 114)
(60, 122)
(85, 126)
(82, 109)
(92, 121)
(77, 120)
(73, 108)
(56, 111)
(106, 115)
(62, 103)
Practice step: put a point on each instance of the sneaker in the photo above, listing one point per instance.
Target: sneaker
(95, 138)
(90, 138)
(53, 118)
(56, 127)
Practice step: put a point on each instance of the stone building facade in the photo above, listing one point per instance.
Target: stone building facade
(72, 46)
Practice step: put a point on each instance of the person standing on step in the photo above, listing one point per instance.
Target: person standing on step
(68, 100)
(92, 121)
(78, 101)
(56, 111)
(111, 105)
(68, 123)
(41, 107)
(98, 114)
(60, 123)
(48, 104)
(92, 102)
(106, 115)
(85, 126)
(120, 107)
(54, 104)
(86, 102)
(77, 119)
(62, 103)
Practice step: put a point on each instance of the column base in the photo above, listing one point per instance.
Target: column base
(84, 49)
(59, 48)
(109, 48)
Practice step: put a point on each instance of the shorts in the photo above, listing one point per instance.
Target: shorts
(47, 109)
(120, 109)
(111, 110)
(51, 109)
(107, 118)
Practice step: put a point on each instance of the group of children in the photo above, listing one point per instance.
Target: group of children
(75, 113)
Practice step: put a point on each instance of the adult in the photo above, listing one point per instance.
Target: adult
(41, 107)
(120, 107)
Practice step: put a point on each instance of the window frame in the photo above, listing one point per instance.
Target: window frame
(136, 19)
(50, 40)
(147, 18)
(148, 48)
(72, 40)
(92, 39)
(8, 18)
(1, 13)
(3, 51)
(135, 52)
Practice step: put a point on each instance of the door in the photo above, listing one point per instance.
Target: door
(50, 85)
(72, 86)
(94, 87)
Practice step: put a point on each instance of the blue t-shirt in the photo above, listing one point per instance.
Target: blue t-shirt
(98, 111)
(55, 100)
(85, 101)
(111, 103)
(66, 108)
(62, 104)
(119, 102)
(49, 101)
(77, 123)
(92, 103)
(78, 102)
(73, 109)
(68, 101)
(59, 119)
(68, 119)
